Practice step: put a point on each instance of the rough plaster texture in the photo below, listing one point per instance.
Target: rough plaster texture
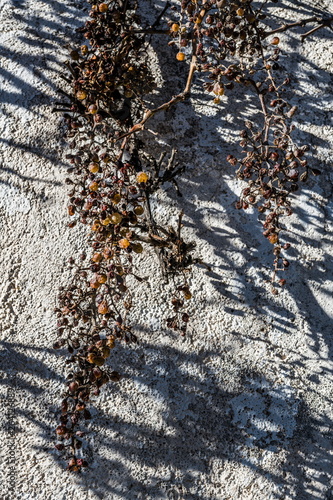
(241, 408)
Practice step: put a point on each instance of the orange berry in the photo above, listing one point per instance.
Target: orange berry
(116, 218)
(180, 56)
(97, 257)
(240, 12)
(124, 243)
(273, 238)
(198, 20)
(103, 307)
(84, 50)
(218, 89)
(187, 293)
(106, 221)
(92, 109)
(138, 210)
(93, 167)
(107, 253)
(71, 210)
(175, 27)
(275, 40)
(142, 177)
(81, 94)
(93, 186)
(217, 100)
(102, 278)
(103, 7)
(94, 284)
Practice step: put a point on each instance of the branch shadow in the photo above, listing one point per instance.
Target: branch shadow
(201, 421)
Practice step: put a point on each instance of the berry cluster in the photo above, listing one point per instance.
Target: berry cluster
(112, 180)
(230, 45)
(113, 177)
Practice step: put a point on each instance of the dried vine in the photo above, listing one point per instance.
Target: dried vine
(113, 177)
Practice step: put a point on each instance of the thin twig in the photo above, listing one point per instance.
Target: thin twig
(303, 22)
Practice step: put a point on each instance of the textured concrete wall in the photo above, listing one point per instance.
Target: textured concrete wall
(242, 407)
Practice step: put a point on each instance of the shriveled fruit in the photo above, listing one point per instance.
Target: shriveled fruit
(91, 358)
(116, 218)
(93, 167)
(137, 247)
(110, 341)
(103, 307)
(102, 278)
(99, 361)
(142, 177)
(124, 243)
(94, 283)
(61, 430)
(273, 238)
(138, 210)
(105, 351)
(94, 186)
(106, 221)
(97, 257)
(81, 94)
(92, 109)
(116, 198)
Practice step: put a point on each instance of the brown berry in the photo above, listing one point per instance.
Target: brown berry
(102, 278)
(137, 247)
(275, 40)
(116, 198)
(97, 257)
(138, 210)
(116, 218)
(103, 307)
(105, 351)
